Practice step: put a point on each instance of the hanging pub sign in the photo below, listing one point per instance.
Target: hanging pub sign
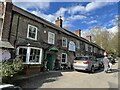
(71, 46)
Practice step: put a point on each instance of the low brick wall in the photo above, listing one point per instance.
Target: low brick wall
(31, 69)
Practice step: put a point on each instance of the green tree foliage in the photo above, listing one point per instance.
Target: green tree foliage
(9, 68)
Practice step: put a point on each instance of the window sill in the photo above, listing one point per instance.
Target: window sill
(31, 63)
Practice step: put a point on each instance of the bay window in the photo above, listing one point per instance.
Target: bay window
(30, 55)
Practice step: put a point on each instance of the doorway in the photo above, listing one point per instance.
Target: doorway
(50, 58)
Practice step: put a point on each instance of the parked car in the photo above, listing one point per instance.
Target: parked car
(101, 64)
(111, 59)
(85, 63)
(9, 87)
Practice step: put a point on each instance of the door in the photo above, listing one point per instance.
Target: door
(50, 61)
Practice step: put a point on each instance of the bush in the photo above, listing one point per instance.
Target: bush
(11, 67)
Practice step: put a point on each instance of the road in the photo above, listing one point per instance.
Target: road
(75, 79)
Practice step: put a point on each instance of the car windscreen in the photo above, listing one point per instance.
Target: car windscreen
(81, 58)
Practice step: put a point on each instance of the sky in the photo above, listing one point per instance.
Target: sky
(76, 14)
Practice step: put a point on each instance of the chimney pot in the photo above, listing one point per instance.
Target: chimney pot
(58, 21)
(78, 32)
(89, 38)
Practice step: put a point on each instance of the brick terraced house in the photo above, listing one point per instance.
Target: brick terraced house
(36, 39)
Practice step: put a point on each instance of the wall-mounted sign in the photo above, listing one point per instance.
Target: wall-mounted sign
(71, 46)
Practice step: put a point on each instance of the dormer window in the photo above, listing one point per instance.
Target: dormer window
(32, 32)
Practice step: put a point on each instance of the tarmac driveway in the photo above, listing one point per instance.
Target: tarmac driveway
(73, 79)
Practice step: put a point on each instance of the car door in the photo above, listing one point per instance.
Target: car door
(96, 64)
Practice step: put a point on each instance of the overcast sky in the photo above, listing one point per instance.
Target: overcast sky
(75, 15)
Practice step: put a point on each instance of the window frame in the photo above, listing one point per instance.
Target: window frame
(77, 44)
(65, 59)
(28, 30)
(86, 47)
(49, 41)
(28, 54)
(64, 38)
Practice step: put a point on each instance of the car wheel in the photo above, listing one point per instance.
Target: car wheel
(92, 69)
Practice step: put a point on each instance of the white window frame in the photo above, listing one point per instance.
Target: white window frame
(29, 31)
(91, 47)
(77, 44)
(49, 41)
(94, 49)
(28, 54)
(65, 59)
(86, 47)
(64, 38)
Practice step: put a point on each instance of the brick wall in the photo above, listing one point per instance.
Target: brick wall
(1, 8)
(7, 21)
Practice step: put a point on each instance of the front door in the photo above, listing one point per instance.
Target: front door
(50, 58)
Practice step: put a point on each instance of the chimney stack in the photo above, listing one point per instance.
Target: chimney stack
(89, 38)
(58, 22)
(78, 32)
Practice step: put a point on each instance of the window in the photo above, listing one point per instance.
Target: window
(34, 55)
(77, 44)
(22, 53)
(51, 38)
(86, 47)
(94, 49)
(30, 55)
(64, 42)
(32, 32)
(91, 48)
(64, 58)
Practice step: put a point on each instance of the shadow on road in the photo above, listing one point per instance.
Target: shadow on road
(37, 81)
(114, 71)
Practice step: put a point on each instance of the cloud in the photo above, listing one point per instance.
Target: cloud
(61, 12)
(113, 30)
(75, 9)
(94, 5)
(93, 21)
(33, 5)
(48, 17)
(65, 1)
(76, 17)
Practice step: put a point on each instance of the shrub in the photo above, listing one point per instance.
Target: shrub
(11, 67)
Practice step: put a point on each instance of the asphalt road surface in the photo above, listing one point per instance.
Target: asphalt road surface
(74, 79)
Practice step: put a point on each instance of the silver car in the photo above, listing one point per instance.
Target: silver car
(85, 63)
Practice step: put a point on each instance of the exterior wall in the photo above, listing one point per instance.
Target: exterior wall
(7, 21)
(1, 8)
(1, 18)
(15, 31)
(0, 28)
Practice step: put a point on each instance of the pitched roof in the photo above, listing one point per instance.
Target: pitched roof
(4, 44)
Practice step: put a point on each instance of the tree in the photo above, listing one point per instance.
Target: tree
(104, 39)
